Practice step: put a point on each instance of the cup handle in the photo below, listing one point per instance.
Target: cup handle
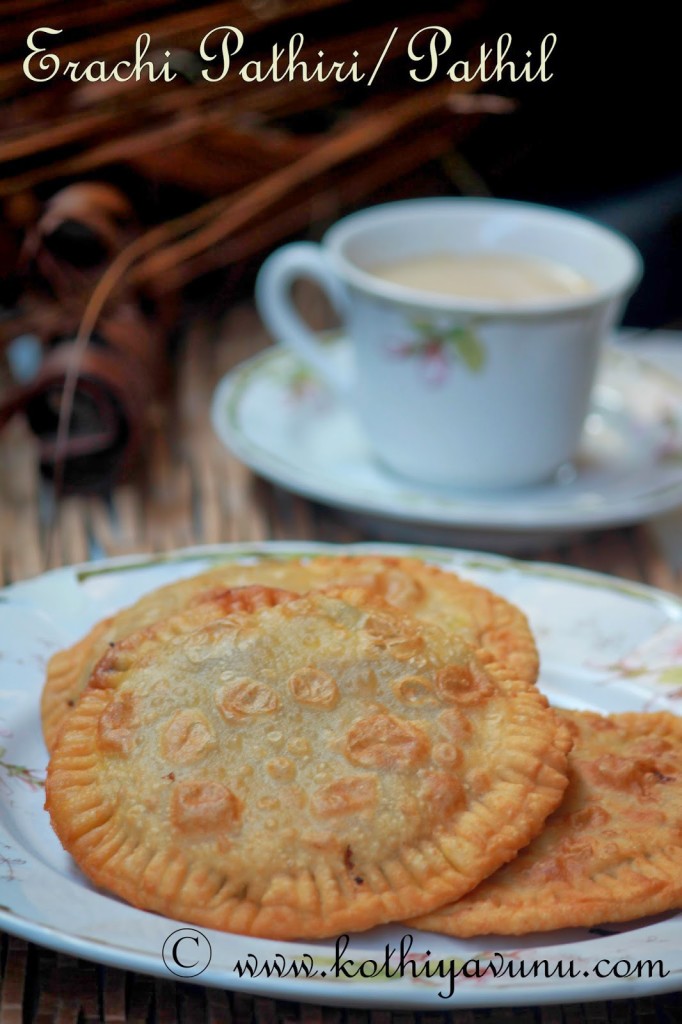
(273, 299)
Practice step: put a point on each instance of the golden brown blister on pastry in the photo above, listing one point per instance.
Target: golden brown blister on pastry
(422, 590)
(301, 770)
(613, 849)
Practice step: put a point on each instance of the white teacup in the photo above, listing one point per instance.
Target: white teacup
(474, 392)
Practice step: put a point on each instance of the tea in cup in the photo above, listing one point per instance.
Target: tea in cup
(492, 277)
(475, 326)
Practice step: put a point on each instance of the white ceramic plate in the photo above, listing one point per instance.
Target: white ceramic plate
(605, 644)
(281, 421)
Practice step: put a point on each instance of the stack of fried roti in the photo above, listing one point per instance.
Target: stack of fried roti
(302, 748)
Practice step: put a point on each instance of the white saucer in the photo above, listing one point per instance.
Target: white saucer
(276, 416)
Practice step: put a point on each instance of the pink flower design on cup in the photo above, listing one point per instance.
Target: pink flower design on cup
(437, 348)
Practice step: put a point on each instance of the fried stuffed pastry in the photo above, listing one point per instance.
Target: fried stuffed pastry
(611, 852)
(301, 767)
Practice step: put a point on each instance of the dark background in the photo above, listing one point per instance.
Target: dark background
(603, 136)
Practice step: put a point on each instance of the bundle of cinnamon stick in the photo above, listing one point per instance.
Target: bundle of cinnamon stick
(117, 193)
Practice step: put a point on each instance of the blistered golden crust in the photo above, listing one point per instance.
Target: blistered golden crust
(613, 849)
(66, 677)
(69, 670)
(301, 770)
(422, 590)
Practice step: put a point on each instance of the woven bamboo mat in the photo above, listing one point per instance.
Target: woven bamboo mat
(191, 491)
